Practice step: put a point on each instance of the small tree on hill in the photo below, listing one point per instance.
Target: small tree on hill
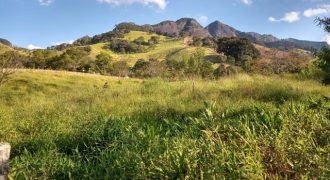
(103, 63)
(9, 62)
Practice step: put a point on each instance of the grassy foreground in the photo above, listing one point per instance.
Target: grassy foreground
(67, 125)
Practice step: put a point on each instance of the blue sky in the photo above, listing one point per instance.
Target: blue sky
(42, 23)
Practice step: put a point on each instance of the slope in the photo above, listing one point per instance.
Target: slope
(167, 48)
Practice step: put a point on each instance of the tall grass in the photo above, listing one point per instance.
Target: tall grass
(67, 126)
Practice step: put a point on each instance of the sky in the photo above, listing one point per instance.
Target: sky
(42, 23)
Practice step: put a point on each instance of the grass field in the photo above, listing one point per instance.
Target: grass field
(67, 126)
(169, 48)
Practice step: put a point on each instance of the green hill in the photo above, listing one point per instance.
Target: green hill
(167, 48)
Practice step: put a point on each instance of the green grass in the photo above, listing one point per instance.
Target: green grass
(66, 125)
(167, 48)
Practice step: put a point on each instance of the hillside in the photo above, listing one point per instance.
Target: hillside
(4, 48)
(167, 48)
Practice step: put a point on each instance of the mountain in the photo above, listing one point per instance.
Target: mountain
(218, 29)
(5, 42)
(256, 37)
(181, 27)
(191, 27)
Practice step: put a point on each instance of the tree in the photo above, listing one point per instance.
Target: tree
(198, 66)
(325, 23)
(39, 58)
(103, 63)
(324, 54)
(83, 41)
(239, 48)
(9, 62)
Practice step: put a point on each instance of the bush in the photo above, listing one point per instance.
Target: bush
(226, 70)
(148, 69)
(120, 68)
(154, 40)
(140, 41)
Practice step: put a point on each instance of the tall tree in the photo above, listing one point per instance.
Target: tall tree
(324, 55)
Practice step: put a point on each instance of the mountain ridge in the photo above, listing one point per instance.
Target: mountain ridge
(191, 27)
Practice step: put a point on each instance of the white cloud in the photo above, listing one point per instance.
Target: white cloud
(62, 42)
(314, 12)
(159, 3)
(327, 38)
(31, 47)
(247, 2)
(45, 2)
(289, 17)
(271, 19)
(203, 19)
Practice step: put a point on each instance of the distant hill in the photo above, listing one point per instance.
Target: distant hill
(218, 29)
(5, 42)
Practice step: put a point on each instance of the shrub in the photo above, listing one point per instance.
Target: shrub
(140, 41)
(154, 40)
(148, 69)
(120, 68)
(225, 70)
